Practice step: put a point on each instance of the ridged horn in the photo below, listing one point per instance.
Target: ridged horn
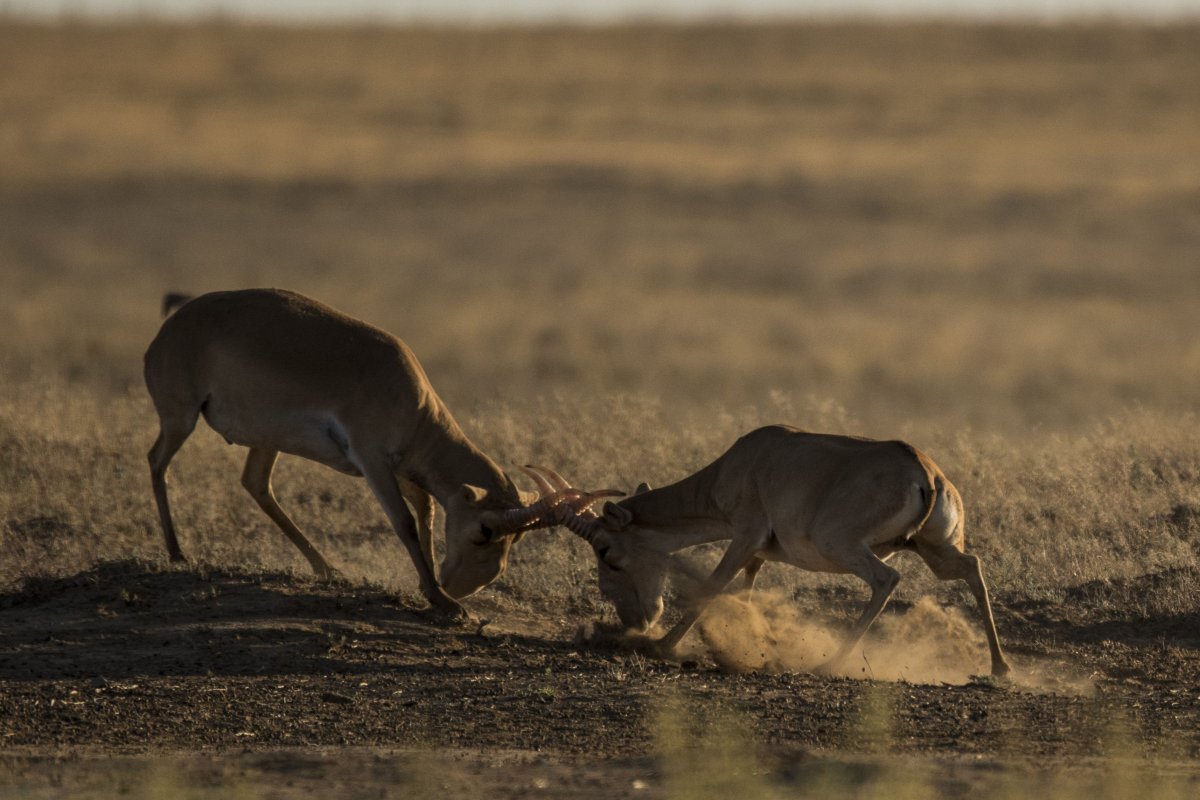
(560, 504)
(560, 483)
(586, 528)
(539, 480)
(586, 500)
(521, 519)
(583, 506)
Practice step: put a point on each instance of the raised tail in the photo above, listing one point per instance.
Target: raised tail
(935, 484)
(172, 301)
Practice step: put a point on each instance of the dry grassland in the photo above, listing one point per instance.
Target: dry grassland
(615, 250)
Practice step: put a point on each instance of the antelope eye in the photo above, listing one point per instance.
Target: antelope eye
(488, 533)
(602, 553)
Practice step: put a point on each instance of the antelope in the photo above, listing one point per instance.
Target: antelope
(279, 372)
(821, 502)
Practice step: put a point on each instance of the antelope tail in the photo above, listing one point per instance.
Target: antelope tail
(936, 487)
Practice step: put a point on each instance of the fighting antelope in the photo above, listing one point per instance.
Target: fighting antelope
(820, 502)
(282, 373)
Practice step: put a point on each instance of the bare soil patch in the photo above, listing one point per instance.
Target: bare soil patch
(130, 657)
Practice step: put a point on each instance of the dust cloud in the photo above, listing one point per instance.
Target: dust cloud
(925, 644)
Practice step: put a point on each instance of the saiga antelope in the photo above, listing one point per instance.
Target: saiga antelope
(282, 373)
(816, 501)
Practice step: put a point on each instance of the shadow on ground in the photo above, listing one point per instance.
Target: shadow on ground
(124, 619)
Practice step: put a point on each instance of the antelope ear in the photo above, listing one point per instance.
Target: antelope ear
(616, 517)
(473, 494)
(642, 488)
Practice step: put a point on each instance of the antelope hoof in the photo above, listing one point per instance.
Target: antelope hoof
(1001, 669)
(450, 611)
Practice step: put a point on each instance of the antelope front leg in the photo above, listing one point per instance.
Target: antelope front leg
(383, 484)
(741, 554)
(422, 503)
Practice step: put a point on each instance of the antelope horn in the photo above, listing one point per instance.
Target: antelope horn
(584, 527)
(559, 481)
(520, 519)
(583, 506)
(529, 517)
(586, 499)
(543, 486)
(560, 504)
(573, 501)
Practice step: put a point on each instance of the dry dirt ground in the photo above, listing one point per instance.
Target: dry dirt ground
(194, 667)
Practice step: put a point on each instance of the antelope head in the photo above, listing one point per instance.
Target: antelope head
(481, 530)
(633, 577)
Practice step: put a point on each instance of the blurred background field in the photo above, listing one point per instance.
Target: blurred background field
(615, 249)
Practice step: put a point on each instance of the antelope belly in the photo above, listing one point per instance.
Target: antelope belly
(316, 437)
(799, 553)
